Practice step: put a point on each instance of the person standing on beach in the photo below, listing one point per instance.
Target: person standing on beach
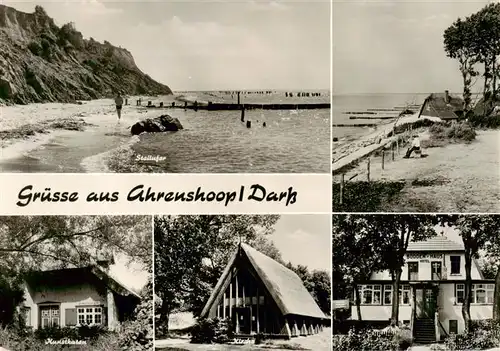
(119, 105)
(415, 146)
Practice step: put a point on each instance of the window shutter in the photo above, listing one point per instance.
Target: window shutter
(70, 314)
(104, 316)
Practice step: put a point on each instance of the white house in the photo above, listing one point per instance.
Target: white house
(431, 291)
(76, 296)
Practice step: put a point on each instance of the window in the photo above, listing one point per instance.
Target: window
(459, 293)
(404, 294)
(387, 294)
(49, 316)
(453, 326)
(436, 270)
(412, 270)
(480, 293)
(371, 294)
(455, 264)
(89, 315)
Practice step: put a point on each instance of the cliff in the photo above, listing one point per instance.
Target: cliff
(40, 62)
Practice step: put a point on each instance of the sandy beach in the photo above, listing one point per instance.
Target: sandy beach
(26, 128)
(87, 137)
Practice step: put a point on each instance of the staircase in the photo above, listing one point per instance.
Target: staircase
(424, 331)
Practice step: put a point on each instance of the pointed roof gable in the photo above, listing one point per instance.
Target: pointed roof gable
(437, 243)
(284, 285)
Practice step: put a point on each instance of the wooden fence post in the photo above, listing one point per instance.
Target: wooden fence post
(341, 189)
(383, 157)
(368, 169)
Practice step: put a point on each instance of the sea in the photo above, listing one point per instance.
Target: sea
(292, 141)
(368, 106)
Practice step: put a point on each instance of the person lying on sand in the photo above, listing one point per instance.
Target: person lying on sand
(119, 104)
(415, 146)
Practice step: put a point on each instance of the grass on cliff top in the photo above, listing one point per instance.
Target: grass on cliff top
(442, 134)
(364, 196)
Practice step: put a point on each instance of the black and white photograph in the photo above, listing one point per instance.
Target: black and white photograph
(416, 106)
(76, 283)
(445, 268)
(242, 282)
(101, 86)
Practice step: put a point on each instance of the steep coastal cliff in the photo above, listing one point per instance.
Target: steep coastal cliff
(40, 62)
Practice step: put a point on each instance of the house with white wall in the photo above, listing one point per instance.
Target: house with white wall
(73, 297)
(431, 292)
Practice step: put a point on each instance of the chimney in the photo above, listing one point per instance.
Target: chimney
(447, 96)
(105, 260)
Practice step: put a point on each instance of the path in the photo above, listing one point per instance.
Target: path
(317, 342)
(454, 178)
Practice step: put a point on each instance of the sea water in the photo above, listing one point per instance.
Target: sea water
(292, 141)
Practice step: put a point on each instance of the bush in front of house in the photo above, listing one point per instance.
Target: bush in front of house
(137, 334)
(207, 331)
(483, 335)
(393, 339)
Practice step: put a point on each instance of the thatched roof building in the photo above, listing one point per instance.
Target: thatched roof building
(261, 296)
(442, 105)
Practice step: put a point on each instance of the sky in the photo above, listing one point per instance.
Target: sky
(305, 240)
(132, 275)
(395, 46)
(210, 44)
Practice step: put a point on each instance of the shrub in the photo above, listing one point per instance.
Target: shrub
(208, 330)
(35, 48)
(442, 133)
(482, 336)
(137, 334)
(369, 340)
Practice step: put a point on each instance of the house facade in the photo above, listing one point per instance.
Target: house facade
(431, 292)
(261, 296)
(75, 297)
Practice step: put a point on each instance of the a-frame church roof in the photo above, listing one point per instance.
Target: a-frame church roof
(283, 284)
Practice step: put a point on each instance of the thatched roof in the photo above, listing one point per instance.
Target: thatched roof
(285, 286)
(57, 277)
(437, 106)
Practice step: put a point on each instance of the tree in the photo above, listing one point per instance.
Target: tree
(485, 26)
(30, 243)
(192, 251)
(369, 243)
(476, 231)
(458, 45)
(317, 283)
(354, 258)
(393, 234)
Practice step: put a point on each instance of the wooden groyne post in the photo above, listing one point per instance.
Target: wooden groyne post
(341, 192)
(161, 104)
(368, 169)
(238, 97)
(242, 113)
(383, 157)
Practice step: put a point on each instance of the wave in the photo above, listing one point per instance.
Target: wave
(100, 163)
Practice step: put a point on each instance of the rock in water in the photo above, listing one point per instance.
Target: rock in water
(164, 123)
